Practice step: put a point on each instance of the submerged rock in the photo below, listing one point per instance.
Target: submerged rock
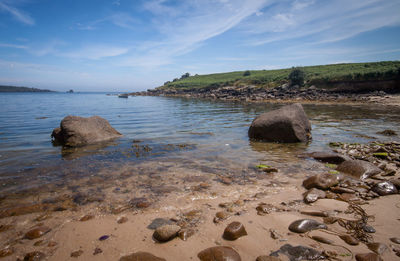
(321, 181)
(385, 188)
(298, 253)
(234, 230)
(78, 131)
(368, 257)
(359, 169)
(219, 253)
(141, 256)
(158, 222)
(288, 124)
(305, 225)
(36, 232)
(166, 232)
(329, 157)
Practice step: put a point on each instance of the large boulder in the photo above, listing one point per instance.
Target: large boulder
(288, 124)
(78, 131)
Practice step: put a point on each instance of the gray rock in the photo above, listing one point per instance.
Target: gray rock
(321, 181)
(305, 225)
(288, 124)
(78, 131)
(298, 253)
(166, 232)
(141, 256)
(219, 253)
(378, 248)
(359, 169)
(368, 257)
(329, 157)
(385, 188)
(313, 195)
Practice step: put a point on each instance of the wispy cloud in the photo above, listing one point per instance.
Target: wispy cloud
(95, 52)
(321, 21)
(120, 19)
(17, 46)
(19, 15)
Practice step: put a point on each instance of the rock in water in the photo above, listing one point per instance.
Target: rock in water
(166, 232)
(219, 253)
(385, 188)
(36, 232)
(329, 157)
(141, 256)
(304, 225)
(234, 230)
(321, 181)
(299, 253)
(368, 257)
(78, 131)
(288, 124)
(359, 169)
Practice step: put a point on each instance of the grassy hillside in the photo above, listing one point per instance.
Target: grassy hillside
(321, 74)
(6, 88)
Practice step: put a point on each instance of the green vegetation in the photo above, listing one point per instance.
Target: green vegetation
(297, 76)
(320, 75)
(4, 88)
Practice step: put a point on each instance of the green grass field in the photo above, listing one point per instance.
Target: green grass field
(320, 74)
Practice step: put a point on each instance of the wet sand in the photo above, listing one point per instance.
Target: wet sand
(193, 202)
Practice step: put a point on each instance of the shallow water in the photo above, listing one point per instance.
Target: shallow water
(161, 134)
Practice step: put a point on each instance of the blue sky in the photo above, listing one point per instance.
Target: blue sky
(130, 45)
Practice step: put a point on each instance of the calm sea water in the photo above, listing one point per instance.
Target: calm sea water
(185, 131)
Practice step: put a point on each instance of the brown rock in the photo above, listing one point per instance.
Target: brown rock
(77, 131)
(288, 124)
(166, 232)
(267, 258)
(219, 253)
(368, 257)
(86, 218)
(321, 181)
(141, 256)
(378, 248)
(305, 225)
(359, 169)
(329, 157)
(349, 240)
(313, 195)
(395, 240)
(184, 234)
(77, 253)
(122, 220)
(34, 256)
(37, 232)
(97, 251)
(234, 230)
(7, 251)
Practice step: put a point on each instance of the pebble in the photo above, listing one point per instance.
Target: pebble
(220, 216)
(141, 256)
(349, 240)
(395, 240)
(234, 231)
(77, 253)
(158, 222)
(323, 240)
(122, 220)
(378, 248)
(369, 229)
(86, 218)
(385, 188)
(299, 253)
(267, 258)
(52, 244)
(97, 251)
(104, 237)
(305, 225)
(219, 253)
(321, 181)
(37, 232)
(313, 195)
(368, 257)
(6, 251)
(184, 234)
(166, 232)
(34, 256)
(315, 213)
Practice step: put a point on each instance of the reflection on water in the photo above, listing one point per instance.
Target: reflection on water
(161, 135)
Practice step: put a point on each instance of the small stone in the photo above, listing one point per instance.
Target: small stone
(313, 195)
(234, 230)
(37, 232)
(34, 256)
(359, 169)
(299, 253)
(323, 240)
(158, 222)
(122, 220)
(219, 253)
(52, 244)
(184, 234)
(369, 229)
(348, 197)
(140, 203)
(225, 180)
(329, 157)
(86, 218)
(305, 225)
(141, 256)
(349, 240)
(97, 251)
(342, 190)
(321, 181)
(38, 243)
(395, 240)
(220, 216)
(378, 248)
(315, 213)
(102, 238)
(368, 257)
(385, 188)
(166, 232)
(77, 253)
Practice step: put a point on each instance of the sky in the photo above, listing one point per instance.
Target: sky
(134, 45)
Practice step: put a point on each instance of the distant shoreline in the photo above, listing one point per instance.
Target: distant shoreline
(5, 88)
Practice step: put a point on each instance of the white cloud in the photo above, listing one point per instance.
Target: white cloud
(95, 52)
(16, 13)
(17, 46)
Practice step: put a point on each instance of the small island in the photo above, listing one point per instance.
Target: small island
(6, 88)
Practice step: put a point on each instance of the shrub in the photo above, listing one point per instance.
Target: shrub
(297, 76)
(246, 73)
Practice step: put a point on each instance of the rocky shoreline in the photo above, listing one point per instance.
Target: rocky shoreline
(283, 93)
